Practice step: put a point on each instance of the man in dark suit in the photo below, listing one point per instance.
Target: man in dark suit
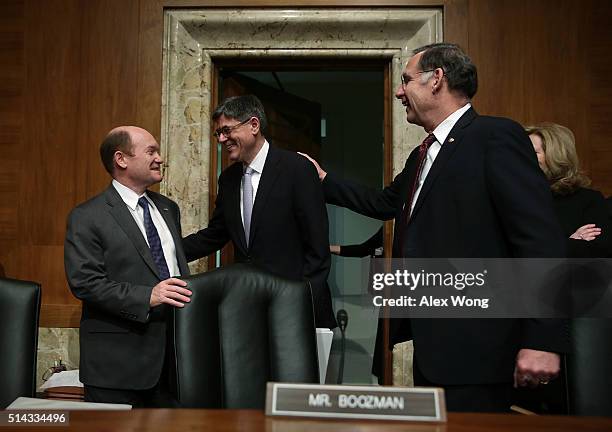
(472, 189)
(122, 249)
(269, 204)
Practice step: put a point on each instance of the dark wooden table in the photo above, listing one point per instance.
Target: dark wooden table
(185, 420)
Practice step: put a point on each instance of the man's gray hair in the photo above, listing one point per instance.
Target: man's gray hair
(242, 108)
(458, 68)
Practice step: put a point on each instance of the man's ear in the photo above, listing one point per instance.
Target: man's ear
(438, 74)
(119, 159)
(255, 125)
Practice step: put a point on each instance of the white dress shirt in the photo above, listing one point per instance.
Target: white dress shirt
(441, 132)
(130, 198)
(257, 165)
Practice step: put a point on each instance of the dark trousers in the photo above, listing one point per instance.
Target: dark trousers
(160, 396)
(155, 397)
(471, 398)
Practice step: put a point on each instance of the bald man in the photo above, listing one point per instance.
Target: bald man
(122, 255)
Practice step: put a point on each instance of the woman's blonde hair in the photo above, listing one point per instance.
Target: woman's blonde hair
(562, 167)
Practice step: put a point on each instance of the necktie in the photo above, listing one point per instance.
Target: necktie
(427, 142)
(154, 241)
(247, 201)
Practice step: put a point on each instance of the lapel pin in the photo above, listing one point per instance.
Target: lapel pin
(451, 140)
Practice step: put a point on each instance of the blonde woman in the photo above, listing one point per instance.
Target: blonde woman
(581, 211)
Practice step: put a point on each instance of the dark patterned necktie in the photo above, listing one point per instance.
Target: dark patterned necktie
(154, 241)
(427, 142)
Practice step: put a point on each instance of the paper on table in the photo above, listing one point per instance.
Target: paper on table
(25, 403)
(63, 379)
(324, 342)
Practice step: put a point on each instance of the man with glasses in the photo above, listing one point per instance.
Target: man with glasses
(269, 204)
(472, 189)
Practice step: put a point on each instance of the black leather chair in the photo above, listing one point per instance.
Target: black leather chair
(19, 312)
(242, 328)
(589, 367)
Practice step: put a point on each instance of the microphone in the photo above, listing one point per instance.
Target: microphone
(342, 318)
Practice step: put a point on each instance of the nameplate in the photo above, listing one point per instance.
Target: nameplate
(356, 402)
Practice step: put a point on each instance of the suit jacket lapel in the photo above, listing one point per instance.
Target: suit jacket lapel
(446, 151)
(122, 215)
(176, 237)
(269, 175)
(233, 206)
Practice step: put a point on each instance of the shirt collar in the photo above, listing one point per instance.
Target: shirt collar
(129, 197)
(444, 128)
(257, 164)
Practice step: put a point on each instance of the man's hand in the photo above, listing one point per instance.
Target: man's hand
(535, 368)
(586, 232)
(170, 291)
(320, 171)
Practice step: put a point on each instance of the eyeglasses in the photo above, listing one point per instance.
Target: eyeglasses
(406, 79)
(227, 130)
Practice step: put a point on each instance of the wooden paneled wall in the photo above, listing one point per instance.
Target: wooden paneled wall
(72, 73)
(549, 61)
(70, 70)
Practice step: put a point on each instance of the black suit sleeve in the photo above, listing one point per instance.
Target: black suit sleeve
(524, 205)
(366, 248)
(311, 216)
(84, 260)
(521, 195)
(382, 205)
(214, 236)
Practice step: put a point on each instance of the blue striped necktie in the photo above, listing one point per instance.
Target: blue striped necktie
(154, 241)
